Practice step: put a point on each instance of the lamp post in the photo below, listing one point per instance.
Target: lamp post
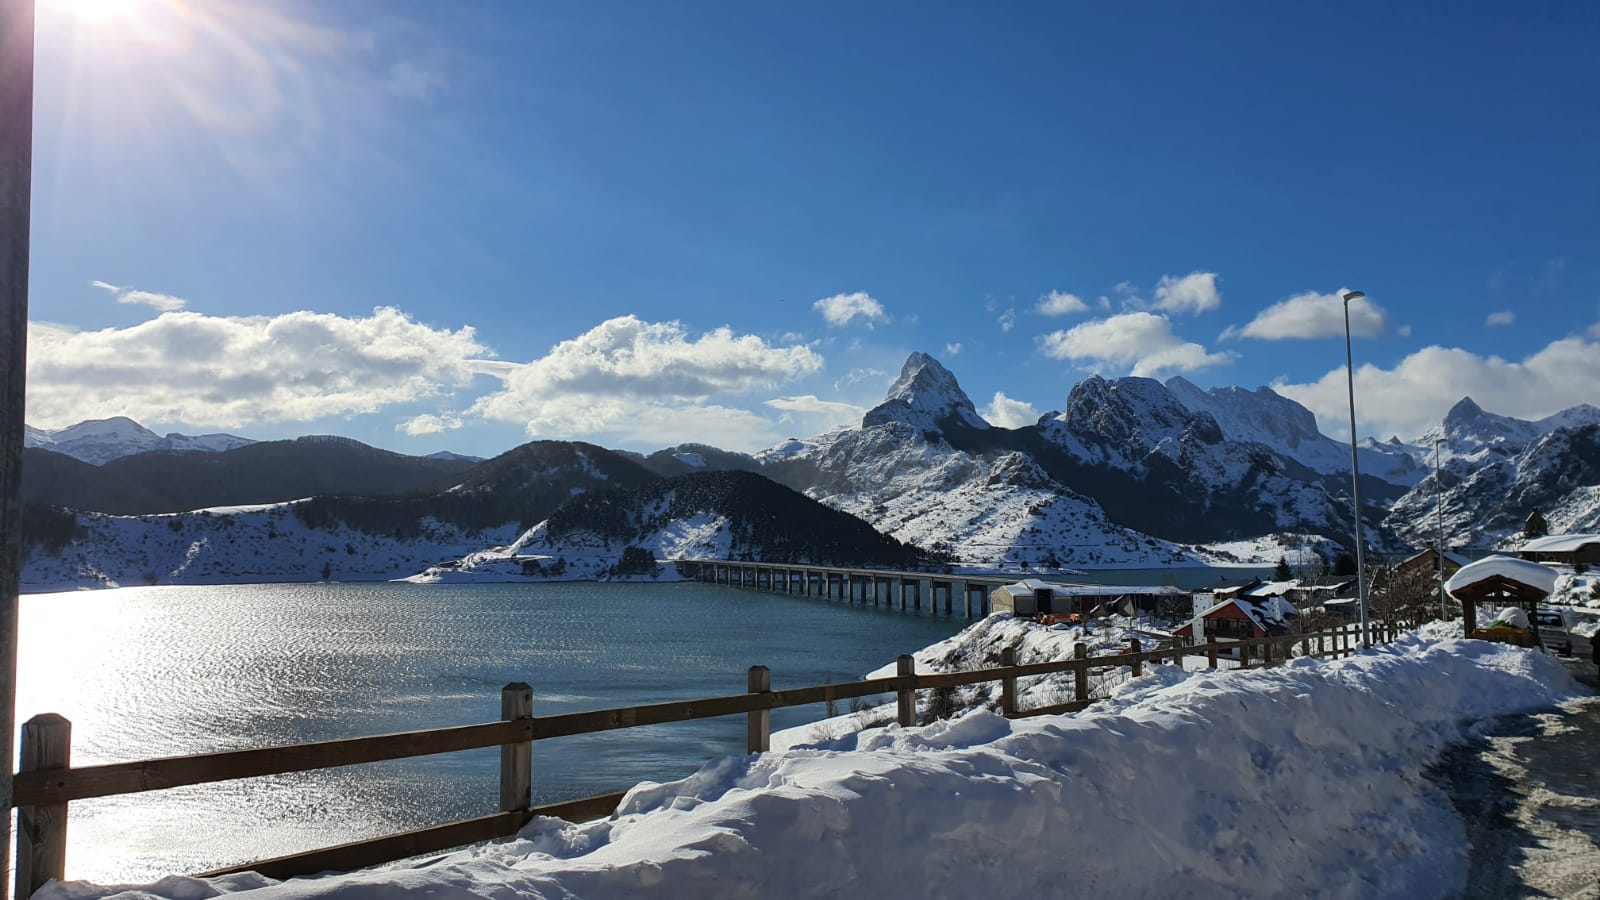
(1438, 502)
(1355, 470)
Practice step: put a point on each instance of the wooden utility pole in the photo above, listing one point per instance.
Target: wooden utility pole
(16, 176)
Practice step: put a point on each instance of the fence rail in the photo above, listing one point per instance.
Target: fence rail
(47, 781)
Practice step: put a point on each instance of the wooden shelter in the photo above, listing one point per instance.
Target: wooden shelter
(1500, 581)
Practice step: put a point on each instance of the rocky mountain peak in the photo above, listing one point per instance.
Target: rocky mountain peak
(926, 396)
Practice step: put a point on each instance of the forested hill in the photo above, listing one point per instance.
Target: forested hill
(521, 486)
(167, 481)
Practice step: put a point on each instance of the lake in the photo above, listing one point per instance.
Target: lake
(164, 671)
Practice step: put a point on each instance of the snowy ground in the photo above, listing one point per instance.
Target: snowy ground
(1304, 779)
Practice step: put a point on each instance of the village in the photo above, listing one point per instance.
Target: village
(1405, 593)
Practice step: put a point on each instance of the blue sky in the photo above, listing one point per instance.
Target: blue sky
(461, 226)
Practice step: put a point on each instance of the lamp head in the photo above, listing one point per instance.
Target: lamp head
(1353, 295)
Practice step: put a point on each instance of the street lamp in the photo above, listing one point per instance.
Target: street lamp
(1355, 469)
(1438, 488)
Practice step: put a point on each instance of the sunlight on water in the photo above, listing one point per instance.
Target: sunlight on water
(165, 671)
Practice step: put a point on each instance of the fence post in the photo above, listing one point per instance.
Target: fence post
(1266, 653)
(907, 665)
(1211, 654)
(1080, 675)
(1135, 647)
(42, 830)
(516, 760)
(758, 722)
(1008, 686)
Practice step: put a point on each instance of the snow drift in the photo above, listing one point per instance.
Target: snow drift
(1304, 779)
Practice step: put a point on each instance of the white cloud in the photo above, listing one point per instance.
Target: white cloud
(231, 371)
(1008, 319)
(429, 424)
(1414, 395)
(840, 309)
(1404, 331)
(1193, 293)
(858, 376)
(1060, 303)
(1503, 317)
(1144, 341)
(1008, 413)
(647, 383)
(830, 413)
(162, 302)
(1314, 315)
(952, 349)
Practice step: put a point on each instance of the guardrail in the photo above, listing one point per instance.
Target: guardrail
(47, 781)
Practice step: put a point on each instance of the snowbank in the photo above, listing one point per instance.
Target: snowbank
(1303, 779)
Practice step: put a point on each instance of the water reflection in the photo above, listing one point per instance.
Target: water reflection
(148, 672)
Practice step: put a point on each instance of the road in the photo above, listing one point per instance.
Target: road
(1529, 790)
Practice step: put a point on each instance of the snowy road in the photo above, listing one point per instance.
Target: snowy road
(1530, 794)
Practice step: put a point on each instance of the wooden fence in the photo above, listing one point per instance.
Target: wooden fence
(47, 781)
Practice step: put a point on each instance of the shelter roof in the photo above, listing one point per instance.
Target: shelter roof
(1502, 573)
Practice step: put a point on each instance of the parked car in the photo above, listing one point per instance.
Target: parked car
(1553, 631)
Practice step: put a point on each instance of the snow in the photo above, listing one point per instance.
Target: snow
(99, 441)
(1519, 570)
(1304, 779)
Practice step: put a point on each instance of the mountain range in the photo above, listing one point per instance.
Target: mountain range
(1131, 471)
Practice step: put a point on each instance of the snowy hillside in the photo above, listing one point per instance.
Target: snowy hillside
(99, 441)
(239, 545)
(703, 515)
(1306, 779)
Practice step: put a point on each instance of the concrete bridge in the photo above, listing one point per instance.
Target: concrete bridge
(880, 587)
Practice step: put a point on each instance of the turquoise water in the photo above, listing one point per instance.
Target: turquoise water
(164, 671)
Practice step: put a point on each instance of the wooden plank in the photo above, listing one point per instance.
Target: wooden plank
(758, 723)
(584, 810)
(371, 852)
(843, 691)
(1059, 709)
(34, 788)
(906, 699)
(1080, 676)
(42, 828)
(516, 760)
(1008, 686)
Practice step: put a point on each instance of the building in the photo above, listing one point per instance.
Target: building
(1567, 549)
(1032, 597)
(1240, 618)
(1427, 563)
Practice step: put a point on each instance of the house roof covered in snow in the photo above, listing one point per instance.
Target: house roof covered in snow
(1028, 586)
(1456, 558)
(1560, 543)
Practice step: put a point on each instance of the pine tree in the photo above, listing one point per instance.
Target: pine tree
(1281, 572)
(1535, 526)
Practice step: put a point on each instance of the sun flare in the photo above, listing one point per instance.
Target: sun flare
(105, 12)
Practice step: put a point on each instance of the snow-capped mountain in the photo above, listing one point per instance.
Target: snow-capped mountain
(1158, 466)
(1266, 417)
(926, 469)
(99, 441)
(926, 396)
(1496, 470)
